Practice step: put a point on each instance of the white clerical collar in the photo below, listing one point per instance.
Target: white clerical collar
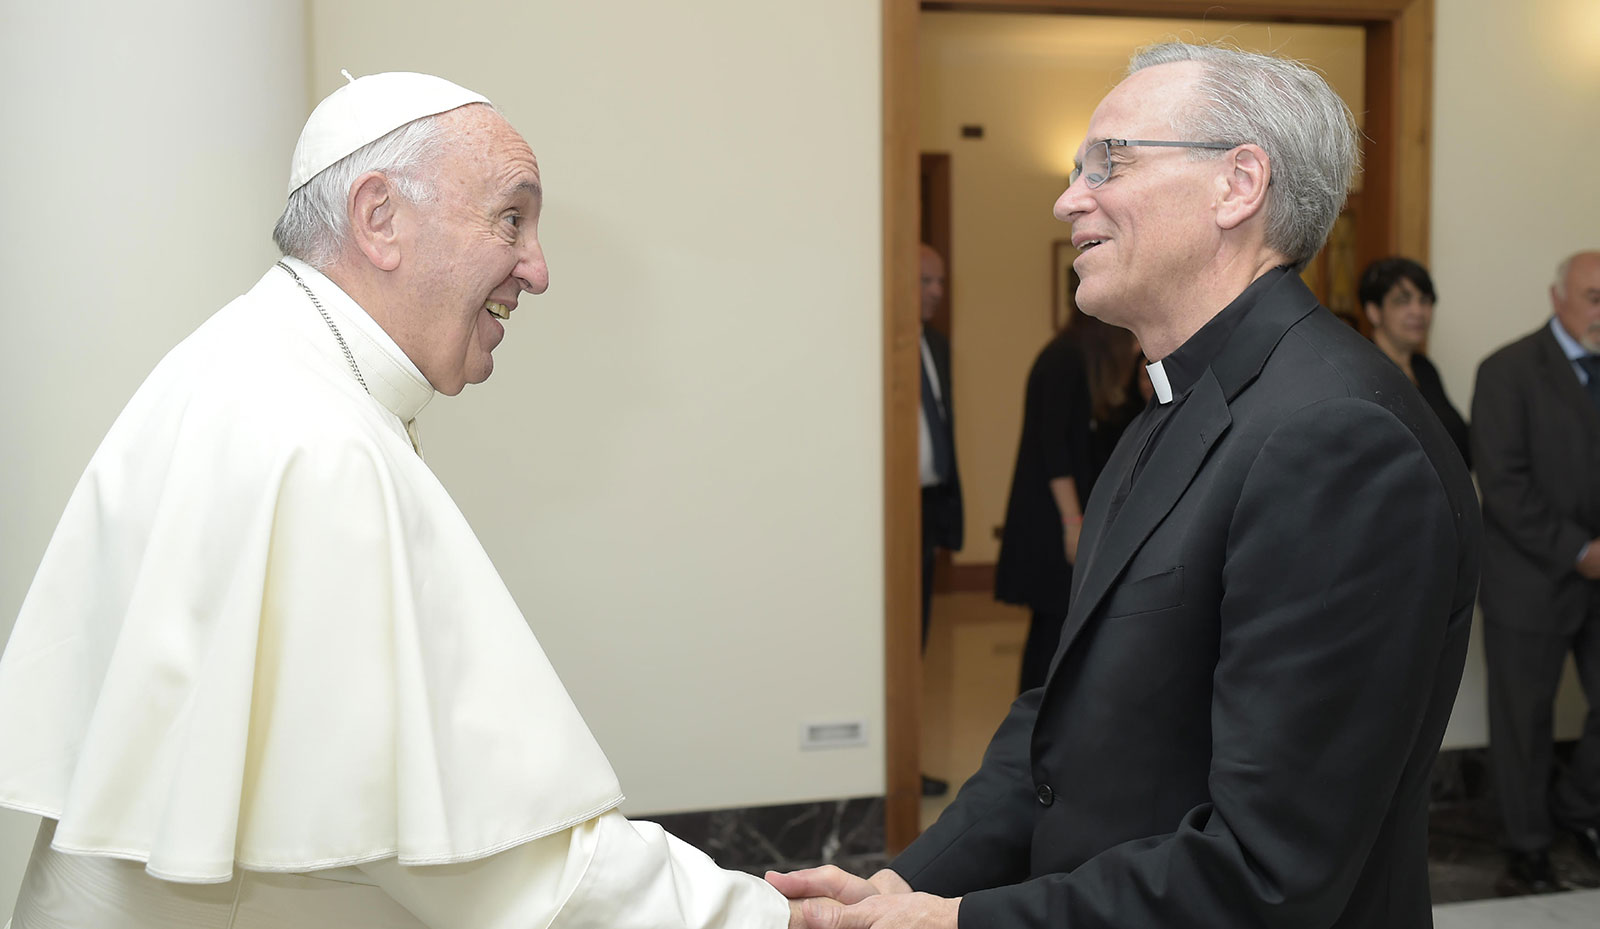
(392, 378)
(1158, 380)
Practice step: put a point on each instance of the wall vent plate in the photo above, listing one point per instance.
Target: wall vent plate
(847, 733)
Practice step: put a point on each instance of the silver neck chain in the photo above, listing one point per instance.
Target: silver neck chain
(334, 329)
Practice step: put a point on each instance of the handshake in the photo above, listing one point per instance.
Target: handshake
(830, 898)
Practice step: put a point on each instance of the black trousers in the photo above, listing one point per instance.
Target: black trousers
(937, 502)
(1524, 673)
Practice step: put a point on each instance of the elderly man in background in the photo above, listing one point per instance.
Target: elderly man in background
(266, 676)
(1536, 442)
(1275, 579)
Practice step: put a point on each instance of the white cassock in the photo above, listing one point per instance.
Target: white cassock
(267, 676)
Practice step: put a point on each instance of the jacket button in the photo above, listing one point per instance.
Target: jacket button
(1046, 795)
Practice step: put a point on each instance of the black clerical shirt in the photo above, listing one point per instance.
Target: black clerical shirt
(1183, 368)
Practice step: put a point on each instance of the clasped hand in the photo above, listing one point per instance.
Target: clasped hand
(830, 898)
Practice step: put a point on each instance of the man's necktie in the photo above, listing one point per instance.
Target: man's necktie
(944, 452)
(1591, 364)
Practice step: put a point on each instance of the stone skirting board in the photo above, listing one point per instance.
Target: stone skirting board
(1465, 858)
(848, 833)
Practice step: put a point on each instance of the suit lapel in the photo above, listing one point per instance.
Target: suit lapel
(1564, 381)
(1179, 453)
(1174, 461)
(1111, 496)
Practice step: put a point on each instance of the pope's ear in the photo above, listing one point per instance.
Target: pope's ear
(372, 213)
(1242, 188)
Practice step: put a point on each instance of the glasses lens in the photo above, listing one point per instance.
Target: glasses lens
(1097, 164)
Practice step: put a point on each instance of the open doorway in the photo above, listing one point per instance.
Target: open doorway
(1392, 216)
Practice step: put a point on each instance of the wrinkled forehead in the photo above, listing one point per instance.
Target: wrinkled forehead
(485, 148)
(1144, 104)
(482, 127)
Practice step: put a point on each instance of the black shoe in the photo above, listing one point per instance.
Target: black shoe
(1530, 873)
(1588, 839)
(933, 787)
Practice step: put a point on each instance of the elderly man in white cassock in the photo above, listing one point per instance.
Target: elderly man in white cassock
(266, 676)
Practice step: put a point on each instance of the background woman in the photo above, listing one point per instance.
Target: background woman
(1398, 297)
(1081, 395)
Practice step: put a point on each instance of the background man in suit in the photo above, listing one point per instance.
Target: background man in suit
(942, 523)
(1274, 590)
(1536, 439)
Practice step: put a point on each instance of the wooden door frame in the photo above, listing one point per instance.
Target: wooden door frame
(1396, 187)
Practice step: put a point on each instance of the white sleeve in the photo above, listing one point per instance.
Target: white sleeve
(607, 873)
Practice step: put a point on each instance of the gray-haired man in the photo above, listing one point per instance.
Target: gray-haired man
(1536, 424)
(1275, 578)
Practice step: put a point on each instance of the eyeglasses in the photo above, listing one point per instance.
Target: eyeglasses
(1096, 167)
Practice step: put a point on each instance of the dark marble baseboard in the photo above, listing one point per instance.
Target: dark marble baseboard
(1466, 860)
(848, 833)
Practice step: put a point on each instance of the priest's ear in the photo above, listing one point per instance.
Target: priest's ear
(1242, 187)
(372, 210)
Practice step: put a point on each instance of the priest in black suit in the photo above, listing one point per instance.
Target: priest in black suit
(1276, 579)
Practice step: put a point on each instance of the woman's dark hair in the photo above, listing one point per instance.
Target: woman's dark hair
(1381, 276)
(1107, 361)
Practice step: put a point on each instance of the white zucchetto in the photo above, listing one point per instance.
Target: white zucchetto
(365, 110)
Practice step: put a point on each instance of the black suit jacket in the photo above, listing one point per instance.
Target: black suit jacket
(1261, 655)
(1536, 445)
(942, 511)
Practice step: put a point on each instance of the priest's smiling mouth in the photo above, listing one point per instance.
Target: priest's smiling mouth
(497, 310)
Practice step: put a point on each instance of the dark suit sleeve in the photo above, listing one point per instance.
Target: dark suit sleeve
(982, 839)
(1339, 573)
(1502, 453)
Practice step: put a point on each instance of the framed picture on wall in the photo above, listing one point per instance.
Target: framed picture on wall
(1063, 284)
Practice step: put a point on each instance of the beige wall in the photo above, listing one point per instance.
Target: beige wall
(1032, 82)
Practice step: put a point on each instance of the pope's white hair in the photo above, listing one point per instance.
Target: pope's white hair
(1306, 130)
(314, 226)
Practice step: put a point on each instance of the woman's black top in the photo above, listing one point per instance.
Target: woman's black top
(1432, 390)
(1059, 439)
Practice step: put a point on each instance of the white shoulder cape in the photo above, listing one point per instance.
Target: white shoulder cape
(264, 636)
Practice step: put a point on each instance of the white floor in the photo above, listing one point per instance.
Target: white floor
(1577, 908)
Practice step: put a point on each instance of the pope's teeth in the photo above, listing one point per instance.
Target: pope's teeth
(497, 310)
